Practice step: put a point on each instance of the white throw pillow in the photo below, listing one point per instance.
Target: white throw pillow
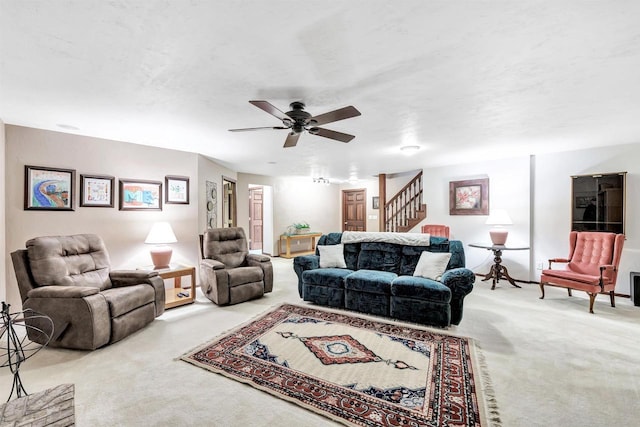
(332, 256)
(432, 265)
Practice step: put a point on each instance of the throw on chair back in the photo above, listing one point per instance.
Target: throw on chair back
(436, 230)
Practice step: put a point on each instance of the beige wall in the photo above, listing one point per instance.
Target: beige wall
(3, 252)
(209, 170)
(124, 232)
(295, 199)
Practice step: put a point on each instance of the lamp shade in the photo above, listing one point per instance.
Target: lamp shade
(498, 218)
(159, 235)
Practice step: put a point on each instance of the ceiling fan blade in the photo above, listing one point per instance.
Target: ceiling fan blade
(334, 116)
(331, 134)
(269, 108)
(260, 128)
(291, 140)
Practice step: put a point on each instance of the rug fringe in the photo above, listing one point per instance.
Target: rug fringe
(489, 398)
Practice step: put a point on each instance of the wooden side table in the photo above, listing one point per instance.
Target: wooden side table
(177, 272)
(288, 238)
(498, 271)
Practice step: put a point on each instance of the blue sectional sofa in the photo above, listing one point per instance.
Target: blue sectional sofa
(378, 278)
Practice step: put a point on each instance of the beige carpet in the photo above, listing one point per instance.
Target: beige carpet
(550, 361)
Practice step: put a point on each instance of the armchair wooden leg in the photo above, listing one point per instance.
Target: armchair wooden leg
(613, 299)
(542, 289)
(592, 298)
(569, 291)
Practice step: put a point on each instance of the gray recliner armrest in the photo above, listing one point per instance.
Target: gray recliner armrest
(258, 258)
(121, 278)
(211, 263)
(62, 292)
(264, 262)
(131, 277)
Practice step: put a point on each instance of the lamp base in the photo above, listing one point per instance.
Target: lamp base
(498, 236)
(161, 256)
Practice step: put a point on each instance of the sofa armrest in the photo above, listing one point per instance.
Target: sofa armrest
(121, 278)
(460, 281)
(62, 292)
(303, 263)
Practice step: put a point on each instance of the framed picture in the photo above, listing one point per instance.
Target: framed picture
(375, 202)
(49, 189)
(96, 191)
(470, 197)
(176, 189)
(137, 194)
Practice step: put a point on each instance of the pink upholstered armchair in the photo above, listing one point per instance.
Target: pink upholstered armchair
(592, 265)
(436, 230)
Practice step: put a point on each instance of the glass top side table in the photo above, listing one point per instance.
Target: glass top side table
(498, 271)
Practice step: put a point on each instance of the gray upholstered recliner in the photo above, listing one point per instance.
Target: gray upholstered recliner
(68, 278)
(229, 273)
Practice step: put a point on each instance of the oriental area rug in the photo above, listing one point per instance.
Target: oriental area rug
(355, 370)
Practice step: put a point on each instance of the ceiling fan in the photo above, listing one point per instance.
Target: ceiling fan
(298, 120)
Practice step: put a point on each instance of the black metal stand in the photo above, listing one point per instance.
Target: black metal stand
(15, 348)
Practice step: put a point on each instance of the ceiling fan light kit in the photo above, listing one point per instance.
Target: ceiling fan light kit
(409, 150)
(297, 121)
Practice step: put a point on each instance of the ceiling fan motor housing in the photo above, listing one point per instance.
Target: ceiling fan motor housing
(299, 116)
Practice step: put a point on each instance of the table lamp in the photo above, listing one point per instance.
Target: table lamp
(498, 218)
(160, 235)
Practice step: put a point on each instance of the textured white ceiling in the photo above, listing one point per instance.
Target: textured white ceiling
(464, 80)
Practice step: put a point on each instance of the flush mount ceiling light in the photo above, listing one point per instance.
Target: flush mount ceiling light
(408, 150)
(321, 180)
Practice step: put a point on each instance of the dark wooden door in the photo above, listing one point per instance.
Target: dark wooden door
(255, 217)
(354, 210)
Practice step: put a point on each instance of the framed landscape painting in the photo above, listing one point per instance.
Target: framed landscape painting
(50, 189)
(140, 194)
(176, 189)
(470, 197)
(96, 191)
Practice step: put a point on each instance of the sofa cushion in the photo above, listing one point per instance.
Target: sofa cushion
(332, 256)
(432, 265)
(77, 260)
(370, 281)
(420, 288)
(380, 256)
(128, 298)
(329, 277)
(242, 275)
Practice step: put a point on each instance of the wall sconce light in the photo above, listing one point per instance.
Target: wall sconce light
(160, 235)
(321, 180)
(498, 218)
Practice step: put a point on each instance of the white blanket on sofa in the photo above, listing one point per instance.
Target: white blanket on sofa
(409, 239)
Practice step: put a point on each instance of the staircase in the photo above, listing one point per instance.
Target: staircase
(406, 209)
